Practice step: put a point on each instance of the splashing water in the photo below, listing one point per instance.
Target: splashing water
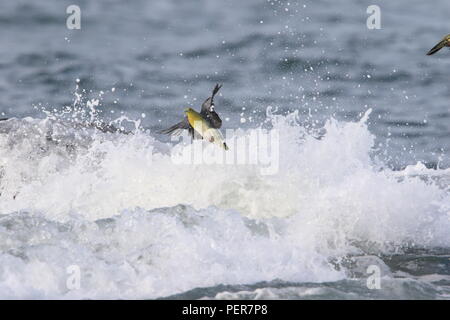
(140, 226)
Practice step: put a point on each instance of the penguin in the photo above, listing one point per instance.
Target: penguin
(208, 113)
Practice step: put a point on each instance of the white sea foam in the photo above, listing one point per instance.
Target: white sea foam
(140, 226)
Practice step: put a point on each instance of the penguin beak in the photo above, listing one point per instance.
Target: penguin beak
(438, 47)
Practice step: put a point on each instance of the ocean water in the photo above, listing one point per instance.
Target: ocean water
(362, 161)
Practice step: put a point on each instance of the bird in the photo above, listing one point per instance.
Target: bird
(207, 112)
(203, 128)
(443, 43)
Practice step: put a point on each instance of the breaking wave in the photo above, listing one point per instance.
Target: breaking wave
(138, 225)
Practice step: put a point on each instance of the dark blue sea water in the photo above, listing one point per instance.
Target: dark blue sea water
(372, 190)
